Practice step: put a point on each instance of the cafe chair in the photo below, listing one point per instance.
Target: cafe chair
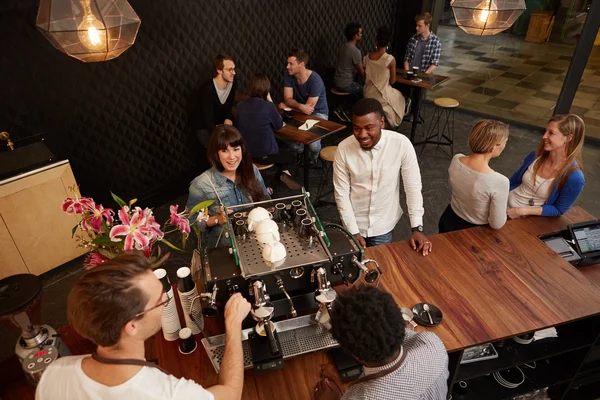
(327, 154)
(443, 113)
(340, 101)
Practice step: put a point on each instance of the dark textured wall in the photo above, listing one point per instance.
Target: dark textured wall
(124, 124)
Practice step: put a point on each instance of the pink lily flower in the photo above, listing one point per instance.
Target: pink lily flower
(94, 221)
(93, 260)
(179, 220)
(140, 231)
(78, 205)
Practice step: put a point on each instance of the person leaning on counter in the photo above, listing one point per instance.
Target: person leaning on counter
(366, 177)
(117, 306)
(232, 180)
(550, 179)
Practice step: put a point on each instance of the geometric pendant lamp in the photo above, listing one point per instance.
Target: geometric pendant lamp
(89, 30)
(486, 17)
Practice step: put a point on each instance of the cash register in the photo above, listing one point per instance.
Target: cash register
(579, 244)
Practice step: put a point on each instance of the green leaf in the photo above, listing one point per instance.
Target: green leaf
(74, 230)
(160, 261)
(201, 206)
(107, 253)
(118, 200)
(171, 245)
(103, 241)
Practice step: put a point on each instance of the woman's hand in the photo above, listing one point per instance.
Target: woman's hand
(514, 212)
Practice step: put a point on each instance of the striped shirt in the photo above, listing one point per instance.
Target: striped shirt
(422, 375)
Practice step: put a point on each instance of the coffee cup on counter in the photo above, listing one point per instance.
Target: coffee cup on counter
(410, 75)
(187, 343)
(267, 231)
(185, 282)
(287, 113)
(415, 71)
(257, 215)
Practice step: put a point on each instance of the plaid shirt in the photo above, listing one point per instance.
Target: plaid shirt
(431, 55)
(423, 374)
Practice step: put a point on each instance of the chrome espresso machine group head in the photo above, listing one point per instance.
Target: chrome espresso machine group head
(290, 299)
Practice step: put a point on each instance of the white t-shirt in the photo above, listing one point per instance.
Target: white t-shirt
(65, 379)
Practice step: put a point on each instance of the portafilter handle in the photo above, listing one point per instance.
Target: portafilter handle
(371, 275)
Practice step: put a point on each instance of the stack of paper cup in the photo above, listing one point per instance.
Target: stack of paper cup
(170, 317)
(187, 292)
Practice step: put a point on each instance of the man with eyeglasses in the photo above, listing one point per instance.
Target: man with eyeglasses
(117, 306)
(216, 98)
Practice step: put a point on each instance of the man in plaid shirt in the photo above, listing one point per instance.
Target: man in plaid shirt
(424, 48)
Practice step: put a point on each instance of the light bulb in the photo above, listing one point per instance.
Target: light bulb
(91, 32)
(482, 15)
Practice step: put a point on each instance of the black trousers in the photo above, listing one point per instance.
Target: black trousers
(449, 221)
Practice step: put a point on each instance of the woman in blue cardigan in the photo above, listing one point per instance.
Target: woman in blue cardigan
(550, 179)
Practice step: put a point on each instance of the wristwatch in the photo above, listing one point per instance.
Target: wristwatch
(418, 228)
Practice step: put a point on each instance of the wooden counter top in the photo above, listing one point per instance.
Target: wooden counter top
(489, 284)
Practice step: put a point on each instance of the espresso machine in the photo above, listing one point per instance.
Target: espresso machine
(291, 298)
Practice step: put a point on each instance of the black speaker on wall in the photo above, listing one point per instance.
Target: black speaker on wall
(406, 10)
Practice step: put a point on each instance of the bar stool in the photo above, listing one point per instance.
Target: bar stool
(339, 101)
(327, 154)
(442, 113)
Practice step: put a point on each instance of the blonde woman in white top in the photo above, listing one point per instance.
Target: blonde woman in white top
(380, 75)
(479, 194)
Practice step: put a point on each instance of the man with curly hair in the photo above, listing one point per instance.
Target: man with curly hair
(398, 363)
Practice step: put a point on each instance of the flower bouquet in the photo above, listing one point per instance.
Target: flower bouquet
(134, 228)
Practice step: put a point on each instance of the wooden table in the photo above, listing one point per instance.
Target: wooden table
(306, 137)
(490, 284)
(428, 81)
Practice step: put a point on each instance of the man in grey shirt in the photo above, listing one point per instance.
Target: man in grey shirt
(349, 62)
(398, 363)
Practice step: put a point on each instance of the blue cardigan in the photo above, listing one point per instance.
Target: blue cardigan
(559, 201)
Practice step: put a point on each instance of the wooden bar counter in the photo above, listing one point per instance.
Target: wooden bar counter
(490, 285)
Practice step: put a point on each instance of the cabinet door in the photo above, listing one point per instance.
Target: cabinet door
(11, 262)
(31, 208)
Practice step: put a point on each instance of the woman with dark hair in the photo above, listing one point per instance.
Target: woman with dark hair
(256, 118)
(232, 180)
(550, 179)
(380, 75)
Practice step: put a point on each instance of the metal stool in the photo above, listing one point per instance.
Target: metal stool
(339, 101)
(444, 107)
(327, 154)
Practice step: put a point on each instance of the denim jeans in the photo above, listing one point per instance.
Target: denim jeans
(380, 239)
(356, 91)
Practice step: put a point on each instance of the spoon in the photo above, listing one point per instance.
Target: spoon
(426, 308)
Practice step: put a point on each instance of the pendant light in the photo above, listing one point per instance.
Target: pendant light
(486, 17)
(89, 30)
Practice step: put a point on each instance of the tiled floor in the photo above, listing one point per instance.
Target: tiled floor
(433, 164)
(509, 78)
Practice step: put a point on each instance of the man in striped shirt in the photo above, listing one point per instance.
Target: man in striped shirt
(398, 364)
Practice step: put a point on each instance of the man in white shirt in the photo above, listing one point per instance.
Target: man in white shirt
(366, 177)
(118, 305)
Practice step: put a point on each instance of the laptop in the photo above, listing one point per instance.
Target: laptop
(586, 237)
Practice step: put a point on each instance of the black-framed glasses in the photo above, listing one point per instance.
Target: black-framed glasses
(162, 303)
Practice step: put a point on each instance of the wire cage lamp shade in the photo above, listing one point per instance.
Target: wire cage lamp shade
(486, 17)
(88, 30)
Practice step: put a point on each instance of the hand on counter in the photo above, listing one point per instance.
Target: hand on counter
(236, 309)
(420, 243)
(360, 239)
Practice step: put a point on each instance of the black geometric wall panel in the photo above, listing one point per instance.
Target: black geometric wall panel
(127, 124)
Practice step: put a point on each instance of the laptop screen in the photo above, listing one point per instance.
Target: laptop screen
(588, 238)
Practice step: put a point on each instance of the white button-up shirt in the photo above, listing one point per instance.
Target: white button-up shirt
(367, 184)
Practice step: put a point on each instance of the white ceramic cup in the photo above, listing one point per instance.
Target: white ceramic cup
(274, 252)
(257, 215)
(267, 231)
